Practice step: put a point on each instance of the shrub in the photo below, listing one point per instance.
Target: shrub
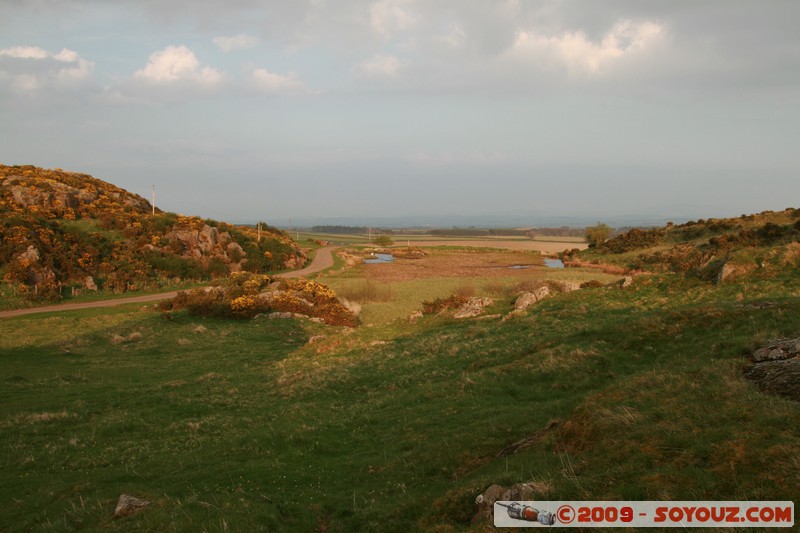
(431, 307)
(245, 295)
(597, 235)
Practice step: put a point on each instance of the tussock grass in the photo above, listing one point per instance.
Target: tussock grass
(365, 291)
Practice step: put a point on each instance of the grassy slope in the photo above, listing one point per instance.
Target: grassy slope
(246, 426)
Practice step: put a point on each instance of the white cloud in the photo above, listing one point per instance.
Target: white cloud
(388, 17)
(272, 83)
(578, 52)
(178, 64)
(30, 68)
(24, 52)
(380, 65)
(237, 42)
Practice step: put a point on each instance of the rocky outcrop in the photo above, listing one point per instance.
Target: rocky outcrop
(58, 192)
(731, 271)
(473, 307)
(776, 368)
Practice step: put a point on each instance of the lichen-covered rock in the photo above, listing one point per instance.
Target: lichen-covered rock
(567, 286)
(777, 377)
(776, 368)
(473, 307)
(127, 505)
(777, 350)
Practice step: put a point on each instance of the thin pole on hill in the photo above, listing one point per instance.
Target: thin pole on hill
(153, 203)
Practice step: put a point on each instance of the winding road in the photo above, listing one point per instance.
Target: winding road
(322, 260)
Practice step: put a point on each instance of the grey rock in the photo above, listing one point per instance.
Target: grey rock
(777, 377)
(525, 300)
(127, 505)
(473, 307)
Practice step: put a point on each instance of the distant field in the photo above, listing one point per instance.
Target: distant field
(546, 245)
(553, 238)
(392, 291)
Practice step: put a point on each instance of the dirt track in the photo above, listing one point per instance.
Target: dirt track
(323, 260)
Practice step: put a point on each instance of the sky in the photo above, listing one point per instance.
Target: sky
(326, 110)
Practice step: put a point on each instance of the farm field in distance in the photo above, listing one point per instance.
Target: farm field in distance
(543, 244)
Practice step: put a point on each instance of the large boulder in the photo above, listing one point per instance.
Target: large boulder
(527, 299)
(776, 368)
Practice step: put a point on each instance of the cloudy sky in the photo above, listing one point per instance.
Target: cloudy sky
(268, 109)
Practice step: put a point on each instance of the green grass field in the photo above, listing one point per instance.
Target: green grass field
(287, 425)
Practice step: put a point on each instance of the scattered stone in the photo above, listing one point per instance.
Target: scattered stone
(627, 281)
(413, 317)
(316, 338)
(200, 329)
(127, 505)
(473, 307)
(280, 316)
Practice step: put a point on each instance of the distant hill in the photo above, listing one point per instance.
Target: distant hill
(763, 244)
(64, 229)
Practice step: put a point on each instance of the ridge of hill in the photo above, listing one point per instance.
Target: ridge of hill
(718, 250)
(66, 230)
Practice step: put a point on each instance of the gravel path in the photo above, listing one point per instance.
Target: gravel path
(322, 260)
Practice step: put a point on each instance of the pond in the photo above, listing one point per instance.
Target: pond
(379, 259)
(553, 263)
